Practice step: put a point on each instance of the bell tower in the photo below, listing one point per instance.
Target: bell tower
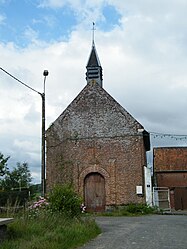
(94, 69)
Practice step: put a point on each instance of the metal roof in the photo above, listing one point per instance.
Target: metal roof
(93, 60)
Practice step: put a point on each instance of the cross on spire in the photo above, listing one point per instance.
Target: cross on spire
(93, 32)
(94, 69)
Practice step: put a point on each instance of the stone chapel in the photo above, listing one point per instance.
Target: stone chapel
(98, 147)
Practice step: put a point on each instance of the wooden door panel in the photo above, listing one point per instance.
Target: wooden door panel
(180, 196)
(94, 189)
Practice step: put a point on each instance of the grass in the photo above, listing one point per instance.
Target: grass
(131, 210)
(49, 232)
(55, 231)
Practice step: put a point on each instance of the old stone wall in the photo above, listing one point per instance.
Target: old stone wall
(121, 166)
(95, 134)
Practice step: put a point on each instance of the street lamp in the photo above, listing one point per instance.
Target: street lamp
(45, 74)
(43, 183)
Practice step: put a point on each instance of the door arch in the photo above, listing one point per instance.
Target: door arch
(94, 192)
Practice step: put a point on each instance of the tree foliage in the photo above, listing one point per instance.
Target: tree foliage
(3, 164)
(19, 177)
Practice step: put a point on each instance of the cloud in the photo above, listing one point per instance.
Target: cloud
(85, 11)
(26, 146)
(31, 35)
(144, 65)
(75, 4)
(52, 3)
(49, 20)
(2, 19)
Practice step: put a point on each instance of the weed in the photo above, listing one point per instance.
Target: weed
(131, 210)
(49, 232)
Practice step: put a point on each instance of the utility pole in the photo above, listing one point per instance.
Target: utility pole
(43, 166)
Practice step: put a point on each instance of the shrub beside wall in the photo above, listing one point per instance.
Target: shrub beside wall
(64, 199)
(14, 197)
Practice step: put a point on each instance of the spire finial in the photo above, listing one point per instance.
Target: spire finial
(94, 69)
(93, 29)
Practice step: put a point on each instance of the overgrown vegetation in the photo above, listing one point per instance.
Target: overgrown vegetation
(63, 199)
(131, 210)
(51, 223)
(15, 183)
(49, 232)
(13, 197)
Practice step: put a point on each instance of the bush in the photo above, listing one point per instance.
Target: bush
(139, 209)
(131, 209)
(37, 207)
(65, 200)
(14, 196)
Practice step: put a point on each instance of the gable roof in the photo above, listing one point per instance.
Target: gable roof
(102, 97)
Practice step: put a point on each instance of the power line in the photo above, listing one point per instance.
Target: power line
(20, 81)
(155, 134)
(167, 134)
(42, 95)
(177, 137)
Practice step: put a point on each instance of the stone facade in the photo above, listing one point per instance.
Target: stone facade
(96, 135)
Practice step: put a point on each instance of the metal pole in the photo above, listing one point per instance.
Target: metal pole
(43, 146)
(43, 166)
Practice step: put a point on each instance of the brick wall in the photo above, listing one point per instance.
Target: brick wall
(170, 158)
(95, 134)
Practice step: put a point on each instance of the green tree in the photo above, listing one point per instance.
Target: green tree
(3, 164)
(19, 177)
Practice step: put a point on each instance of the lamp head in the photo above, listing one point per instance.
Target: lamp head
(45, 73)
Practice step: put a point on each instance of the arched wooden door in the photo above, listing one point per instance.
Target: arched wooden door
(94, 192)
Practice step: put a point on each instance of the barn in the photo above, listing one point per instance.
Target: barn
(170, 171)
(98, 147)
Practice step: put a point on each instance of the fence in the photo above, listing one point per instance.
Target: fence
(161, 198)
(13, 199)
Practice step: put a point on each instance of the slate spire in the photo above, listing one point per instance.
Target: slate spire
(94, 69)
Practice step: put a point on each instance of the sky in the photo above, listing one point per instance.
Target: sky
(142, 47)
